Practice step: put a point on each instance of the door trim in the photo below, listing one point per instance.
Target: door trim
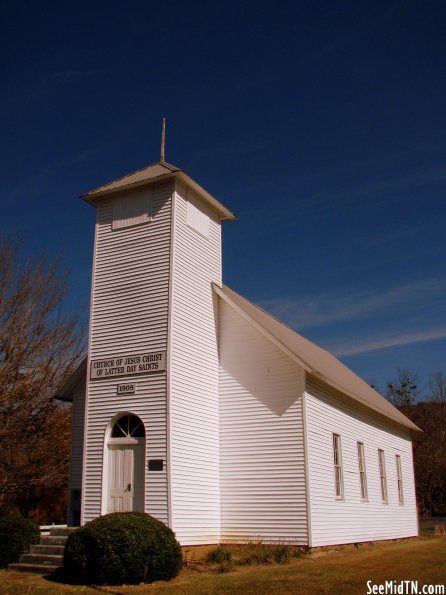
(108, 441)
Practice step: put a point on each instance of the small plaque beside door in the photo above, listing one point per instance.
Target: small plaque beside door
(155, 464)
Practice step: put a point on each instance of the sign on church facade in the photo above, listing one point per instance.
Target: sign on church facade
(128, 365)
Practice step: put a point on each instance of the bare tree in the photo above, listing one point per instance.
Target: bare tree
(427, 409)
(437, 388)
(403, 392)
(40, 345)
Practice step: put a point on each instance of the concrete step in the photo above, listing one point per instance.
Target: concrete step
(46, 557)
(37, 568)
(55, 550)
(61, 531)
(53, 540)
(42, 559)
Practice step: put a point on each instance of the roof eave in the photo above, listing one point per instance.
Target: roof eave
(65, 393)
(218, 290)
(225, 214)
(402, 422)
(96, 195)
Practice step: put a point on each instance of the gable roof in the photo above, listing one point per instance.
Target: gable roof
(156, 172)
(314, 359)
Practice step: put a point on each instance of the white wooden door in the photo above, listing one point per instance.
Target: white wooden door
(125, 478)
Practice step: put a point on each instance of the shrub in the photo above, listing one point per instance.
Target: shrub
(267, 554)
(16, 536)
(122, 548)
(219, 555)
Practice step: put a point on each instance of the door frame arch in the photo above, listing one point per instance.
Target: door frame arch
(109, 441)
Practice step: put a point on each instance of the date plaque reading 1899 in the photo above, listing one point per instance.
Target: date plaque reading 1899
(128, 365)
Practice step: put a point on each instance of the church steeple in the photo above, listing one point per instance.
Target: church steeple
(163, 140)
(153, 347)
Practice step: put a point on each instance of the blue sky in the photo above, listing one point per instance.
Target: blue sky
(321, 124)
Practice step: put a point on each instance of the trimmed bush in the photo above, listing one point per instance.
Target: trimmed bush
(122, 548)
(16, 536)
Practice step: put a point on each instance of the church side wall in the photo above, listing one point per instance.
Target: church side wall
(77, 442)
(349, 519)
(129, 317)
(194, 455)
(263, 492)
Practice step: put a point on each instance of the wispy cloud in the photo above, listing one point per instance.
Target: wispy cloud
(379, 188)
(395, 341)
(331, 308)
(385, 157)
(307, 209)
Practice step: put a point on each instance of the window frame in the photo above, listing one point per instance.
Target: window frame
(363, 488)
(383, 475)
(399, 479)
(135, 428)
(337, 466)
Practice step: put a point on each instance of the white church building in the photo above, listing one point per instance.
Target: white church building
(198, 407)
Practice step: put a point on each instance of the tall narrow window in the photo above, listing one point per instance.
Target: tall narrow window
(382, 475)
(362, 474)
(399, 476)
(337, 461)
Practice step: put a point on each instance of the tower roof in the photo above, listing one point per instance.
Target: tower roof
(157, 172)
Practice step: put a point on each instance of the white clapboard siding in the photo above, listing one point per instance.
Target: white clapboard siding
(77, 445)
(77, 436)
(194, 455)
(197, 219)
(349, 519)
(129, 315)
(132, 209)
(263, 493)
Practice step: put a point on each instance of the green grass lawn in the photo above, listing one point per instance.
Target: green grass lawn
(339, 572)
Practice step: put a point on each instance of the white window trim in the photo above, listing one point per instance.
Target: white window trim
(363, 488)
(337, 467)
(383, 476)
(399, 478)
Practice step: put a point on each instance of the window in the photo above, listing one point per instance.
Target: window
(128, 426)
(337, 461)
(362, 474)
(382, 475)
(399, 476)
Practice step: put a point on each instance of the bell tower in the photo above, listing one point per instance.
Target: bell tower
(153, 352)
